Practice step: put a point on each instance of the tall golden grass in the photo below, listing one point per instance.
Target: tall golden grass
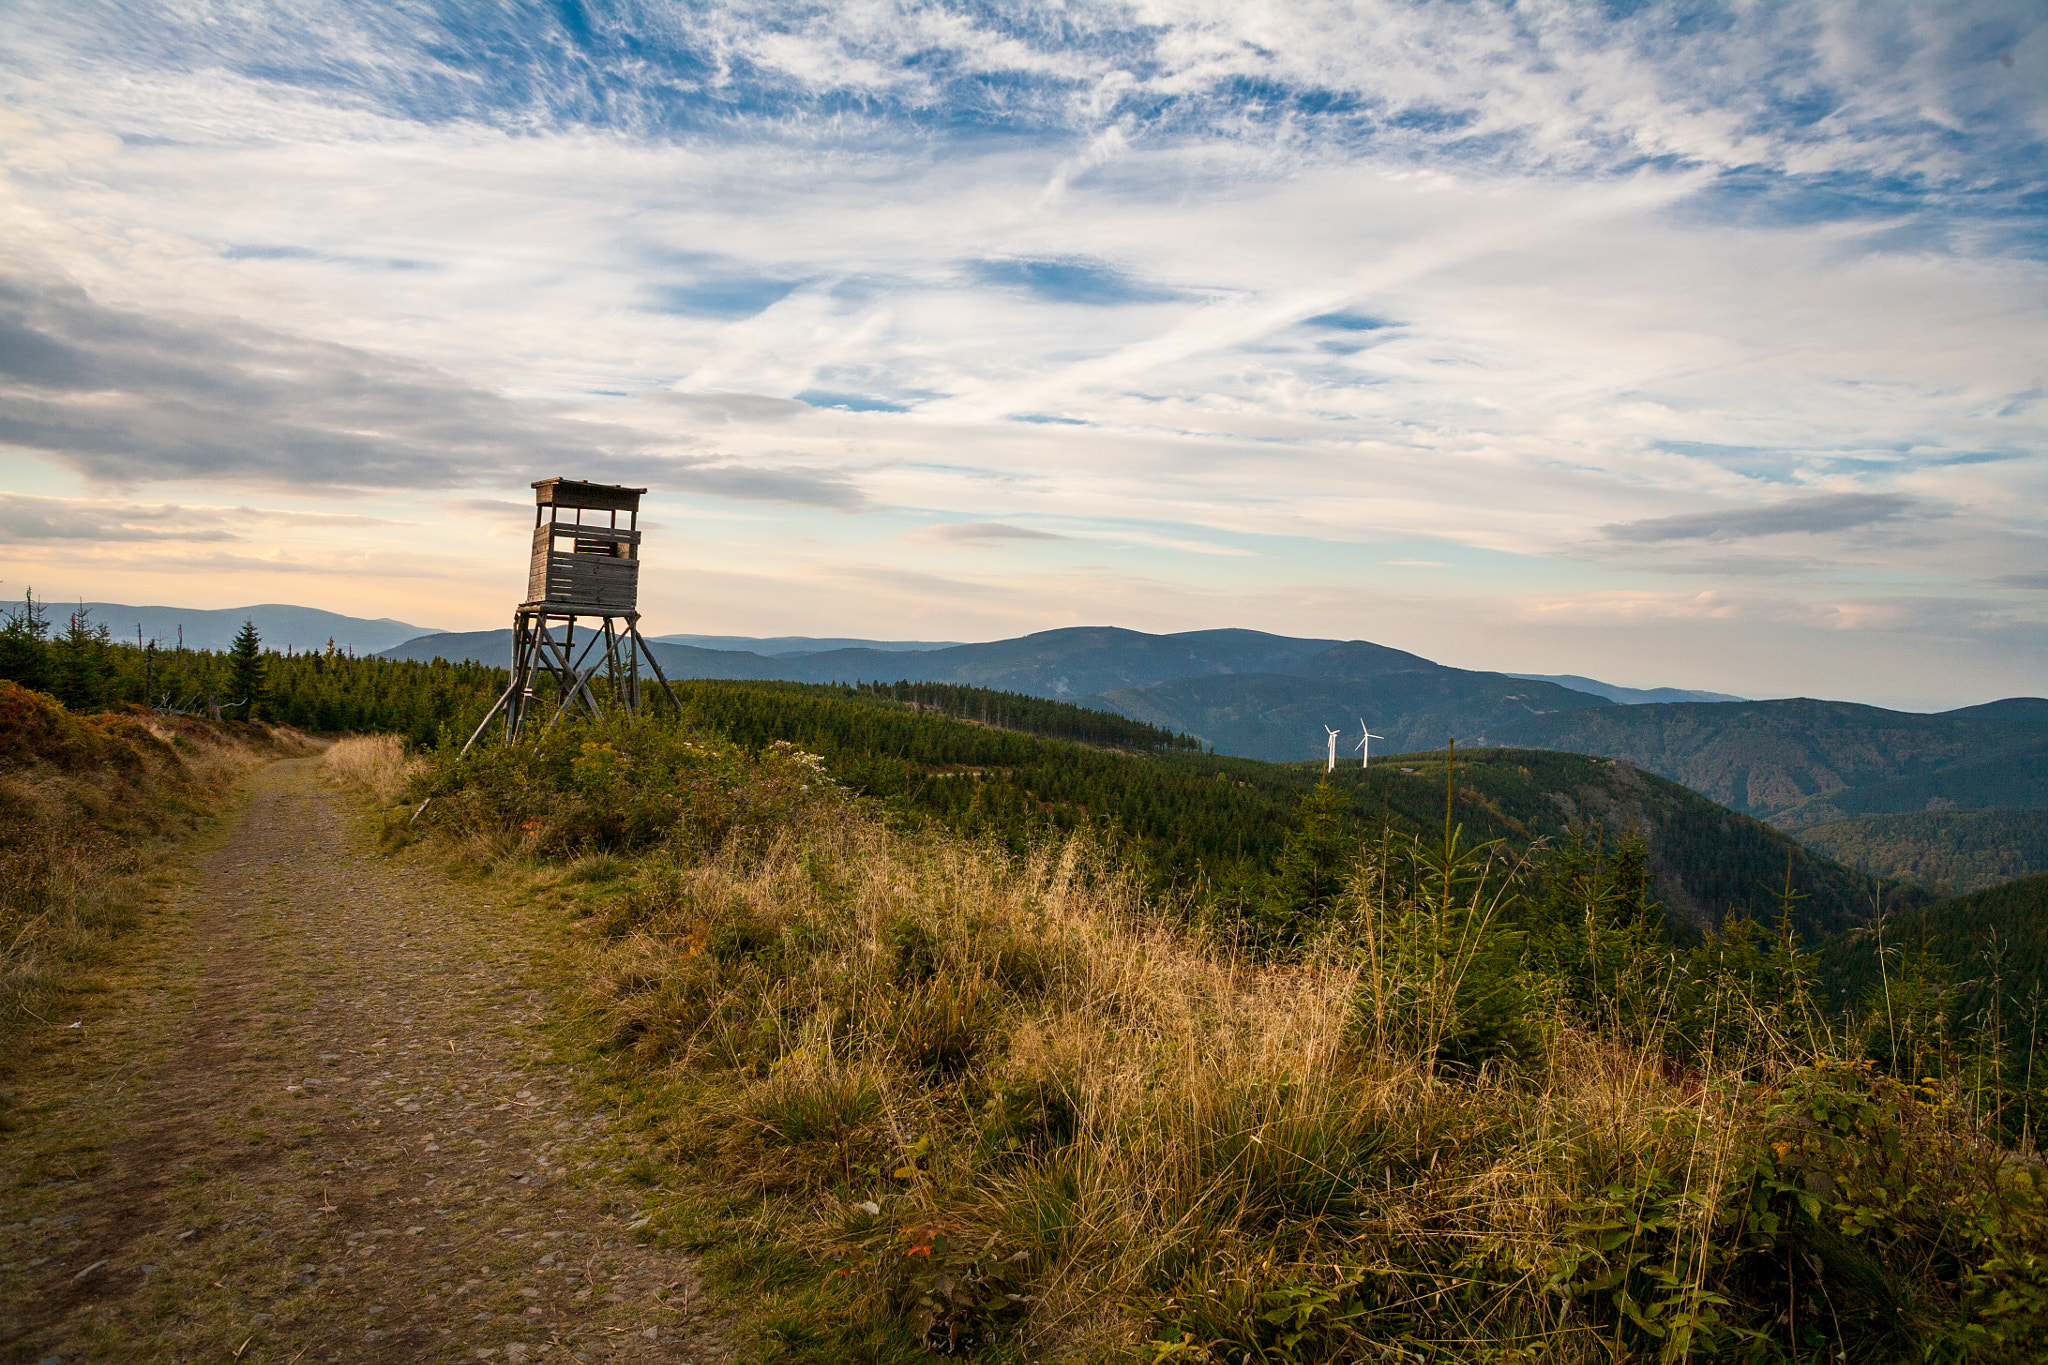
(374, 766)
(1019, 1053)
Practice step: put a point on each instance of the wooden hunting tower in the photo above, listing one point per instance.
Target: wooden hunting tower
(585, 565)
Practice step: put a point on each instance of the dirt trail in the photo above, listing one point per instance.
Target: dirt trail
(313, 1118)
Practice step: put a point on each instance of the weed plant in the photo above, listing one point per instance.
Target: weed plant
(1457, 1104)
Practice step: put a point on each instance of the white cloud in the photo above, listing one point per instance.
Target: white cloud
(366, 268)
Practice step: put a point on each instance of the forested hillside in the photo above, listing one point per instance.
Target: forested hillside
(1281, 718)
(1804, 762)
(1066, 664)
(1955, 851)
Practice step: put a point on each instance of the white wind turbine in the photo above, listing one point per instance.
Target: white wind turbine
(1364, 745)
(1333, 751)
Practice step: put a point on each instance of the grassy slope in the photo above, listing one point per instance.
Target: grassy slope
(1952, 852)
(906, 1091)
(1186, 818)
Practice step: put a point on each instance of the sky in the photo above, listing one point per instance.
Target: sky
(1696, 345)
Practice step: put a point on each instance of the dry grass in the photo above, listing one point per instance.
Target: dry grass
(1048, 1070)
(932, 1094)
(374, 766)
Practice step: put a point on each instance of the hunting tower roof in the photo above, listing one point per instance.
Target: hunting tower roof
(601, 497)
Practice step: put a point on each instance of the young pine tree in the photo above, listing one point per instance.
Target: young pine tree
(25, 646)
(1310, 874)
(82, 665)
(1594, 929)
(247, 672)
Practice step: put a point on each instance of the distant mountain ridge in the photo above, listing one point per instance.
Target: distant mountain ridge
(1795, 762)
(1627, 696)
(281, 626)
(1064, 665)
(1408, 702)
(775, 646)
(1244, 692)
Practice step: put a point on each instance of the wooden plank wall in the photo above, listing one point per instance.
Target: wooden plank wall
(591, 580)
(606, 581)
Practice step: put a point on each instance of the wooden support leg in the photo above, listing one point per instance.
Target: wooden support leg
(666, 686)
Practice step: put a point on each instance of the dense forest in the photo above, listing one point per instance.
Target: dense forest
(1948, 851)
(332, 691)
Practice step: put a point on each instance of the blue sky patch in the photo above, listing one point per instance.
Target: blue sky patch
(1350, 322)
(739, 297)
(848, 402)
(1070, 281)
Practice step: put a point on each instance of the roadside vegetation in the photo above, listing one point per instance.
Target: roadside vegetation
(86, 803)
(1433, 1099)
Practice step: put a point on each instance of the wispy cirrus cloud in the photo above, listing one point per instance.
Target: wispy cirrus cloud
(28, 519)
(127, 397)
(1793, 516)
(978, 533)
(1798, 89)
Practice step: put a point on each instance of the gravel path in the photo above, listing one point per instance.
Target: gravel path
(309, 1115)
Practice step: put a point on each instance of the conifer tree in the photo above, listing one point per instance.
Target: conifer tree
(247, 671)
(1309, 875)
(81, 662)
(24, 645)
